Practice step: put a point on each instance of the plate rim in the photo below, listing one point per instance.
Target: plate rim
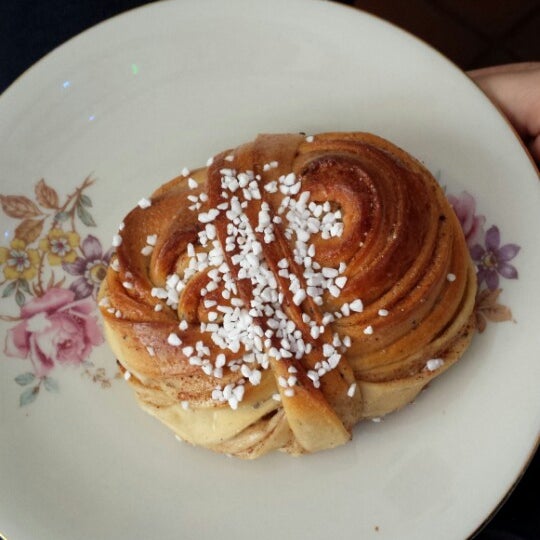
(12, 88)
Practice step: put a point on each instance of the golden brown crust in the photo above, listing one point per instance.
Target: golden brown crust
(397, 247)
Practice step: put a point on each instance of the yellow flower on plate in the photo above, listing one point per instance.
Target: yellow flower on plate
(60, 246)
(20, 263)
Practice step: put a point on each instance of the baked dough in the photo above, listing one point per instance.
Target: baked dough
(289, 289)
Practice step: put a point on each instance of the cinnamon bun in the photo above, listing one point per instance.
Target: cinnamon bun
(289, 289)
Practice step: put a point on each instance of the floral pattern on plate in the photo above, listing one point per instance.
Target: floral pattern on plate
(54, 274)
(491, 260)
(57, 323)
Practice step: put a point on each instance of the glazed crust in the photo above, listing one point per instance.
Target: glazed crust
(399, 247)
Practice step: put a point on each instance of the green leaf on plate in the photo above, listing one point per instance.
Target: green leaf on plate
(28, 396)
(84, 215)
(10, 289)
(86, 200)
(51, 385)
(61, 216)
(20, 298)
(23, 284)
(25, 378)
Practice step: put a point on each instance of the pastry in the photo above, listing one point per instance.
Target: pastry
(289, 289)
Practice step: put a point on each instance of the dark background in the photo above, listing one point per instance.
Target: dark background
(472, 33)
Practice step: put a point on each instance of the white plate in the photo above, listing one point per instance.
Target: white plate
(133, 101)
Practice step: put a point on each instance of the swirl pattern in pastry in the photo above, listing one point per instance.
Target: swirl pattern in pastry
(288, 290)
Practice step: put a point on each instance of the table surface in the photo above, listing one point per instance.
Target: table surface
(29, 29)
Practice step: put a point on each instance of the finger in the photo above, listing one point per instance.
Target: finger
(518, 67)
(515, 89)
(534, 150)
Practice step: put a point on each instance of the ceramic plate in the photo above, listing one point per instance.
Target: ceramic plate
(122, 108)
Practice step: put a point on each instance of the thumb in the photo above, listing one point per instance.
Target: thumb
(515, 89)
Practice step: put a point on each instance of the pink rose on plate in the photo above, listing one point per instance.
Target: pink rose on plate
(472, 224)
(56, 329)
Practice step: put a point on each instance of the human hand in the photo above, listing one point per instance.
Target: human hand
(515, 89)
